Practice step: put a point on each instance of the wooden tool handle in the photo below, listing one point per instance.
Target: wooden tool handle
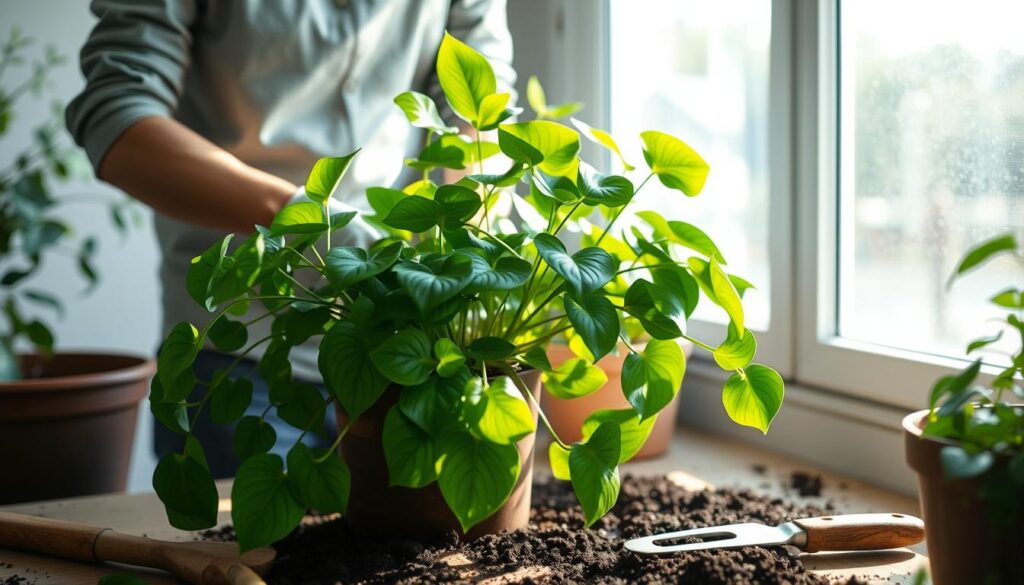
(50, 537)
(861, 532)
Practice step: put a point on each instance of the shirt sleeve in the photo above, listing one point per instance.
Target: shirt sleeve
(134, 65)
(483, 25)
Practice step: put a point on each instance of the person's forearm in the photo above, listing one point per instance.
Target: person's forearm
(182, 175)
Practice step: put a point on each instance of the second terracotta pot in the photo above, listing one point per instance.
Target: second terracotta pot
(964, 546)
(382, 511)
(567, 416)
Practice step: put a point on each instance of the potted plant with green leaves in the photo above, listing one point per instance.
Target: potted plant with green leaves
(433, 338)
(66, 419)
(968, 451)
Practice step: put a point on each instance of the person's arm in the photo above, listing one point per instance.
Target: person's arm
(134, 64)
(182, 175)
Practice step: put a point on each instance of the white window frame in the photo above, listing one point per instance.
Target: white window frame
(802, 340)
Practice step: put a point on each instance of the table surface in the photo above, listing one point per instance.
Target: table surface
(695, 460)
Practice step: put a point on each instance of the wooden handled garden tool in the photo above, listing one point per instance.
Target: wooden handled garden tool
(201, 563)
(825, 533)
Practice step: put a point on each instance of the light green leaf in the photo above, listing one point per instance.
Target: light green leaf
(676, 164)
(537, 100)
(536, 358)
(421, 112)
(596, 322)
(983, 341)
(348, 265)
(450, 358)
(263, 508)
(304, 217)
(409, 451)
(573, 378)
(651, 378)
(558, 457)
(498, 411)
(476, 476)
(737, 351)
(682, 233)
(187, 490)
(634, 432)
(325, 175)
(593, 467)
(661, 313)
(348, 371)
(604, 139)
(752, 397)
(383, 200)
(549, 146)
(726, 296)
(1010, 298)
(324, 485)
(405, 358)
(430, 286)
(465, 76)
(985, 251)
(584, 272)
(492, 112)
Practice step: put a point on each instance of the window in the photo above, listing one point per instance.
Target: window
(700, 71)
(931, 160)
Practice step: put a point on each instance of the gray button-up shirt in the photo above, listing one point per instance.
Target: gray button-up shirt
(277, 83)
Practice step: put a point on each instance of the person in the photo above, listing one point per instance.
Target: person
(212, 112)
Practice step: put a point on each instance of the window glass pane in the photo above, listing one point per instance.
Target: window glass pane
(931, 161)
(699, 71)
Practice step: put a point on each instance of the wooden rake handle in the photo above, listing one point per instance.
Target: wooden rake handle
(860, 532)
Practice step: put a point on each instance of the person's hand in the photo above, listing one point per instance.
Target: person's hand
(357, 233)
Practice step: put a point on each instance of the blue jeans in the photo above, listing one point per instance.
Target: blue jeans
(218, 440)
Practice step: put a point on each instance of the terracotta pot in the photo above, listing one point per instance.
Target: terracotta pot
(68, 431)
(382, 511)
(567, 416)
(963, 545)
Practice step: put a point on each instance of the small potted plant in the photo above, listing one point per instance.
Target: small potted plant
(968, 452)
(66, 419)
(433, 338)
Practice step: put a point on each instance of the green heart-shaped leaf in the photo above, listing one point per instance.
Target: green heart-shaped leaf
(593, 467)
(752, 397)
(187, 490)
(726, 295)
(327, 172)
(201, 272)
(421, 112)
(228, 335)
(573, 378)
(429, 286)
(476, 476)
(508, 273)
(584, 272)
(457, 204)
(558, 457)
(606, 190)
(430, 404)
(465, 77)
(349, 373)
(409, 451)
(633, 431)
(450, 358)
(229, 398)
(683, 286)
(676, 164)
(174, 362)
(549, 146)
(405, 358)
(323, 485)
(682, 233)
(498, 411)
(253, 436)
(263, 508)
(596, 322)
(651, 378)
(737, 351)
(414, 213)
(303, 217)
(348, 265)
(660, 312)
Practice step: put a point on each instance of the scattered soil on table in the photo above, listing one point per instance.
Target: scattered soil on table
(806, 484)
(556, 548)
(15, 580)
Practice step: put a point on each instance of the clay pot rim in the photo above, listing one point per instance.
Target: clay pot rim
(139, 368)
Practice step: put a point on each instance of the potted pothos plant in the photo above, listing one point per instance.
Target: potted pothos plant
(433, 338)
(66, 419)
(968, 450)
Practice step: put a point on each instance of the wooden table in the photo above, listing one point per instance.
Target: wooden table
(697, 459)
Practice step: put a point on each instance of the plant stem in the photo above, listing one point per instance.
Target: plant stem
(700, 344)
(209, 390)
(319, 415)
(302, 286)
(533, 400)
(520, 348)
(337, 441)
(493, 237)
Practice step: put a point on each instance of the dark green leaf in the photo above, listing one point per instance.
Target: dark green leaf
(633, 431)
(409, 451)
(606, 190)
(660, 311)
(187, 491)
(229, 399)
(537, 359)
(348, 265)
(323, 485)
(348, 371)
(429, 286)
(960, 464)
(476, 476)
(300, 405)
(405, 358)
(174, 362)
(651, 379)
(431, 404)
(508, 273)
(584, 272)
(491, 348)
(228, 335)
(415, 213)
(203, 268)
(263, 508)
(173, 415)
(596, 322)
(253, 436)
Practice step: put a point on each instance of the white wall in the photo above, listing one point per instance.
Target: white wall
(122, 313)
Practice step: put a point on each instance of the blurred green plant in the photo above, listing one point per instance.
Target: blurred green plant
(29, 227)
(449, 308)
